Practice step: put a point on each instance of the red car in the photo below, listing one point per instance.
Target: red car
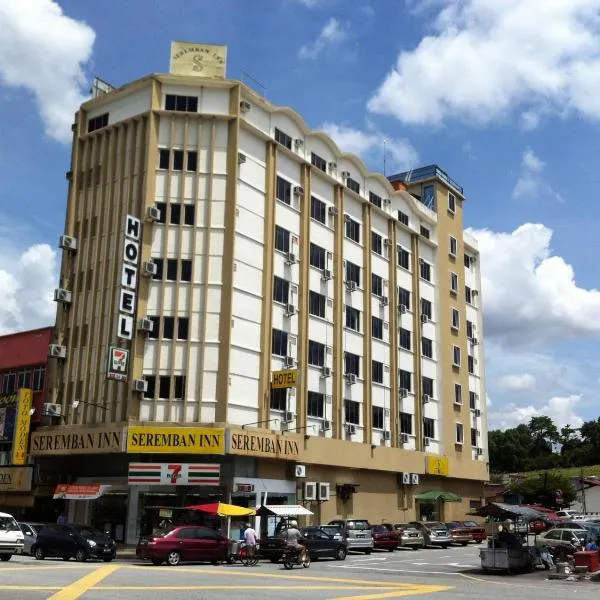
(184, 543)
(385, 537)
(478, 533)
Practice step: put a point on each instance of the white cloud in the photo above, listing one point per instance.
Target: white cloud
(530, 183)
(43, 51)
(517, 383)
(530, 120)
(561, 409)
(400, 153)
(485, 58)
(530, 296)
(334, 32)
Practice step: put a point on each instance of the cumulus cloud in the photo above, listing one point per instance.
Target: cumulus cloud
(401, 154)
(517, 383)
(530, 183)
(334, 32)
(485, 58)
(530, 296)
(43, 51)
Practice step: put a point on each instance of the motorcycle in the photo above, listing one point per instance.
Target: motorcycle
(292, 557)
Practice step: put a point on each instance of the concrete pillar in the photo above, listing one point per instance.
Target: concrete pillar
(132, 527)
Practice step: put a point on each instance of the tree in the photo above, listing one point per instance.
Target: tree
(541, 489)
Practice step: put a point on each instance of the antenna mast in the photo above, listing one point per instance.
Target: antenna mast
(384, 159)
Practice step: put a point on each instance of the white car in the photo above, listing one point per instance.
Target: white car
(11, 537)
(570, 515)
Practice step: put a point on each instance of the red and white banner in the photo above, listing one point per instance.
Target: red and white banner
(174, 474)
(79, 491)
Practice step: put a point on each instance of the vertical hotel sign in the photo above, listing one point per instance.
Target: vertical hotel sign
(199, 60)
(129, 277)
(22, 423)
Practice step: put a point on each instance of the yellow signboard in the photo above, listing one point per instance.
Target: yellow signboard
(284, 379)
(175, 440)
(22, 422)
(77, 440)
(199, 60)
(263, 443)
(15, 479)
(436, 465)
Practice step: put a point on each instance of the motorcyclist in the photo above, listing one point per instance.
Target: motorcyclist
(293, 540)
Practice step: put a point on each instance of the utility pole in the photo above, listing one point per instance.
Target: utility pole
(583, 503)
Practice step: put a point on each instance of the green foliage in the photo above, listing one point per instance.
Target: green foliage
(541, 489)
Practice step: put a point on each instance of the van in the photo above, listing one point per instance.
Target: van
(357, 533)
(11, 537)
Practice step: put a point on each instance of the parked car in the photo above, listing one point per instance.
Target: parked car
(434, 533)
(190, 543)
(460, 534)
(30, 533)
(567, 514)
(11, 537)
(385, 537)
(321, 541)
(357, 533)
(563, 537)
(78, 541)
(478, 532)
(410, 537)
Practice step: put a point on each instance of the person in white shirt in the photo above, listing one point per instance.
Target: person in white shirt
(250, 540)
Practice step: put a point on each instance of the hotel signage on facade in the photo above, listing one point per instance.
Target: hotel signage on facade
(199, 60)
(129, 277)
(259, 443)
(174, 440)
(15, 479)
(79, 440)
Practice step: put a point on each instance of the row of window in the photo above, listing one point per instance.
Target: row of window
(160, 386)
(177, 160)
(11, 381)
(177, 213)
(173, 328)
(172, 269)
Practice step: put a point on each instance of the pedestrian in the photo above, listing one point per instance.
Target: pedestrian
(62, 518)
(591, 546)
(250, 540)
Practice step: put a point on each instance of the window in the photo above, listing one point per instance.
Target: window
(282, 239)
(150, 386)
(468, 295)
(159, 268)
(97, 122)
(468, 261)
(405, 380)
(278, 400)
(428, 198)
(454, 283)
(39, 374)
(377, 328)
(375, 199)
(281, 290)
(168, 328)
(406, 421)
(283, 138)
(317, 256)
(280, 342)
(189, 214)
(162, 210)
(352, 229)
(378, 418)
(427, 385)
(472, 400)
(457, 393)
(318, 210)
(24, 377)
(455, 319)
(403, 218)
(352, 318)
(377, 371)
(351, 363)
(177, 160)
(192, 161)
(474, 435)
(470, 330)
(352, 412)
(471, 364)
(426, 308)
(175, 214)
(352, 273)
(376, 285)
(316, 304)
(172, 269)
(376, 243)
(284, 190)
(186, 534)
(179, 387)
(353, 185)
(183, 326)
(451, 202)
(452, 248)
(455, 356)
(404, 338)
(181, 103)
(164, 387)
(425, 232)
(155, 328)
(427, 347)
(459, 433)
(425, 270)
(428, 428)
(403, 258)
(404, 298)
(186, 270)
(315, 405)
(318, 162)
(316, 353)
(163, 158)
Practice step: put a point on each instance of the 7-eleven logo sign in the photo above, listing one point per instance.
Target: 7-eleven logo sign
(174, 473)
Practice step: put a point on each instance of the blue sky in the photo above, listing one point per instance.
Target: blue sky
(498, 94)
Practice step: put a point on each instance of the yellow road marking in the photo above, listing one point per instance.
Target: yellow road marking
(139, 588)
(81, 586)
(418, 590)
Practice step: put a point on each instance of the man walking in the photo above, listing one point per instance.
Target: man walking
(250, 540)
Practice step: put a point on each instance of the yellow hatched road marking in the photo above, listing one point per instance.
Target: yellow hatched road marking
(417, 590)
(230, 587)
(87, 582)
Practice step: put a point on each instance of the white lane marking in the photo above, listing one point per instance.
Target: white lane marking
(395, 570)
(373, 559)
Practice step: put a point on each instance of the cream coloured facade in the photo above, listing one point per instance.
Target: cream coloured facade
(273, 250)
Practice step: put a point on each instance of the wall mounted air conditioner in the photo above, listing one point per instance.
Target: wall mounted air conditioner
(402, 308)
(288, 361)
(426, 398)
(57, 351)
(350, 428)
(62, 295)
(350, 378)
(323, 491)
(386, 436)
(290, 310)
(332, 210)
(403, 392)
(140, 385)
(427, 441)
(289, 416)
(146, 325)
(299, 191)
(49, 409)
(149, 268)
(414, 479)
(326, 425)
(404, 478)
(300, 470)
(290, 258)
(424, 319)
(351, 286)
(404, 438)
(153, 213)
(66, 242)
(310, 490)
(384, 300)
(326, 276)
(245, 106)
(325, 371)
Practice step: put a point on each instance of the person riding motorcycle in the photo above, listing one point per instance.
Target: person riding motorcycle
(293, 540)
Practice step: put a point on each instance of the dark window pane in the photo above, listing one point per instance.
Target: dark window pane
(155, 327)
(352, 318)
(181, 103)
(425, 232)
(316, 402)
(318, 162)
(280, 342)
(168, 327)
(404, 297)
(192, 103)
(351, 363)
(405, 380)
(179, 387)
(403, 258)
(352, 412)
(281, 290)
(190, 214)
(162, 209)
(151, 383)
(353, 185)
(163, 161)
(377, 328)
(192, 161)
(376, 285)
(164, 387)
(405, 338)
(170, 102)
(352, 229)
(427, 347)
(177, 160)
(316, 353)
(427, 385)
(428, 428)
(282, 239)
(376, 243)
(278, 399)
(283, 138)
(183, 324)
(374, 199)
(316, 304)
(426, 307)
(352, 273)
(378, 417)
(317, 209)
(171, 269)
(175, 213)
(186, 270)
(317, 256)
(377, 371)
(406, 423)
(284, 190)
(403, 217)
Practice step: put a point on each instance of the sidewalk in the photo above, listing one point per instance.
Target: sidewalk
(126, 553)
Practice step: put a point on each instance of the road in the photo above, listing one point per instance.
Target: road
(451, 574)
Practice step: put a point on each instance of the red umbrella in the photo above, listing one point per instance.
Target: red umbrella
(222, 510)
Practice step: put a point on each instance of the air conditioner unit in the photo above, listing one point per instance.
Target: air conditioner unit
(291, 258)
(146, 325)
(384, 300)
(289, 416)
(403, 392)
(350, 428)
(61, 295)
(426, 398)
(288, 361)
(479, 451)
(241, 158)
(326, 276)
(404, 438)
(149, 268)
(290, 310)
(49, 409)
(345, 174)
(477, 412)
(387, 242)
(325, 372)
(57, 351)
(475, 341)
(310, 490)
(427, 441)
(66, 242)
(153, 213)
(386, 436)
(350, 378)
(69, 175)
(332, 210)
(325, 425)
(323, 491)
(414, 477)
(351, 286)
(140, 385)
(298, 143)
(424, 319)
(299, 191)
(402, 308)
(245, 106)
(300, 470)
(332, 166)
(404, 478)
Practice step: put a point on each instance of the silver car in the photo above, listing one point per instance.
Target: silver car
(434, 533)
(30, 531)
(357, 533)
(410, 537)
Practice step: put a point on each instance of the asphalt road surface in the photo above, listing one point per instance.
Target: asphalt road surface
(451, 574)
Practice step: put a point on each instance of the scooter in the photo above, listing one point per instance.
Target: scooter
(292, 557)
